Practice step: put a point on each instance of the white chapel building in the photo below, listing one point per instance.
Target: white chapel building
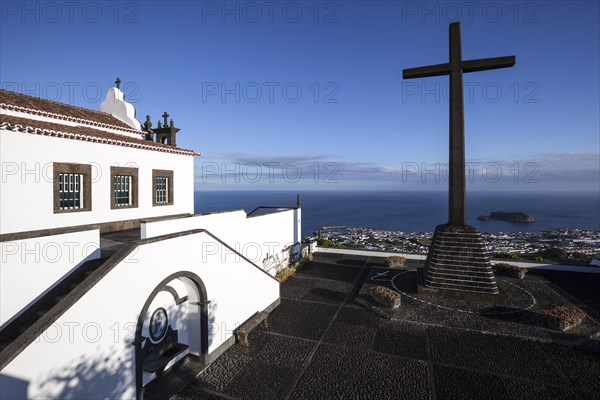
(108, 280)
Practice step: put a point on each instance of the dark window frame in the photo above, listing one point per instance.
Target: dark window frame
(124, 171)
(85, 170)
(170, 184)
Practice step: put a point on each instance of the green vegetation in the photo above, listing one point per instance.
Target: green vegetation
(350, 246)
(552, 255)
(508, 267)
(507, 256)
(326, 242)
(330, 243)
(284, 273)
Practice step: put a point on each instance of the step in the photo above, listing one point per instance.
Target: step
(479, 282)
(476, 289)
(452, 274)
(458, 282)
(459, 264)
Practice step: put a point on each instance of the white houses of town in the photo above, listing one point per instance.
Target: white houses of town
(108, 278)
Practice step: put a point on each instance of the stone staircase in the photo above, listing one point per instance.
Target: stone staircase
(17, 334)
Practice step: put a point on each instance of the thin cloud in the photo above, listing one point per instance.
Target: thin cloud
(558, 171)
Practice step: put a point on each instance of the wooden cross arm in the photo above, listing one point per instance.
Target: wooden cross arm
(466, 66)
(430, 70)
(488, 63)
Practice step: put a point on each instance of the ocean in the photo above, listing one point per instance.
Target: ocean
(415, 211)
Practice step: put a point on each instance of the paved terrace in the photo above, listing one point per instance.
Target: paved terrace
(322, 344)
(112, 241)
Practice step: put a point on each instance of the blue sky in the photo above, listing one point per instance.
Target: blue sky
(309, 95)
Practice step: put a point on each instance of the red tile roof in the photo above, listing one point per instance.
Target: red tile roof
(35, 105)
(25, 125)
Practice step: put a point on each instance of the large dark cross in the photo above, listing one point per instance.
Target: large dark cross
(455, 68)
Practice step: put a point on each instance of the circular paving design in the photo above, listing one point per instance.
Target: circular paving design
(524, 299)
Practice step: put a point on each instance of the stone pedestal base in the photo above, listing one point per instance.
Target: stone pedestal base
(458, 266)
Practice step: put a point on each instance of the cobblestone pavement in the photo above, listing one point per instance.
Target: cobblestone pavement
(321, 344)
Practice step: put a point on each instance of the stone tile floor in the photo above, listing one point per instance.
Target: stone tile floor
(112, 241)
(321, 344)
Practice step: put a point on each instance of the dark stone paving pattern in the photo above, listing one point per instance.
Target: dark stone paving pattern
(339, 272)
(402, 339)
(582, 287)
(347, 373)
(353, 328)
(452, 383)
(301, 319)
(320, 290)
(321, 345)
(522, 317)
(491, 353)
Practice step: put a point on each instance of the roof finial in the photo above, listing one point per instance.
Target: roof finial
(148, 123)
(166, 116)
(171, 123)
(118, 83)
(298, 201)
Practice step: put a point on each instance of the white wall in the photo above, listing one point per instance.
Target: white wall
(31, 267)
(254, 237)
(88, 353)
(26, 198)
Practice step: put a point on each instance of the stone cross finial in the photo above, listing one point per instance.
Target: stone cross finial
(166, 116)
(118, 83)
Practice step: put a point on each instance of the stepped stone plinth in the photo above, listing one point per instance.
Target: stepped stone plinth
(458, 266)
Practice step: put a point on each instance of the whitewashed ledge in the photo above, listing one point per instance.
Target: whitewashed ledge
(368, 253)
(529, 265)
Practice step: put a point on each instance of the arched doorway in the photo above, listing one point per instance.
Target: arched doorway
(173, 325)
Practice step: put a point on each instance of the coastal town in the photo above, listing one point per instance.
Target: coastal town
(559, 245)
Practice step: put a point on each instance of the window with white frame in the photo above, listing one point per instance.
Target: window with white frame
(70, 189)
(122, 190)
(162, 187)
(123, 187)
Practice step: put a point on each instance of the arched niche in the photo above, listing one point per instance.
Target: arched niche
(172, 325)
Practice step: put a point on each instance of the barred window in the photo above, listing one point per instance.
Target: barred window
(162, 187)
(122, 190)
(70, 189)
(123, 187)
